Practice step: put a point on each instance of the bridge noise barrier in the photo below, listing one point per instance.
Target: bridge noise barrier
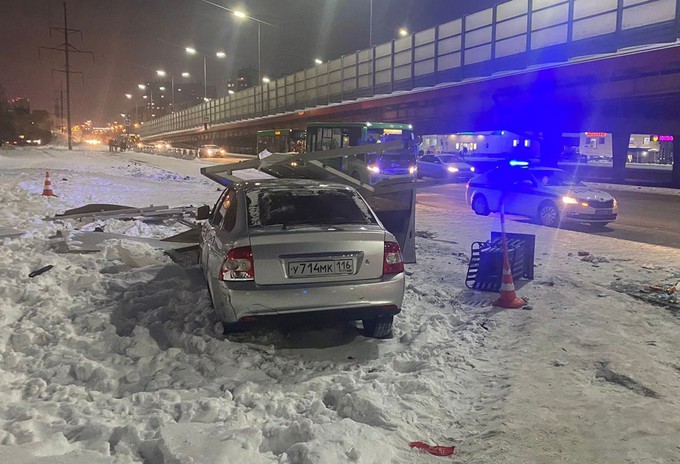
(393, 201)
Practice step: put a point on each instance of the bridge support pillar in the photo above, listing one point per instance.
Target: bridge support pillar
(621, 141)
(675, 179)
(551, 147)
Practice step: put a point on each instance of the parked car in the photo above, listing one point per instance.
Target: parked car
(211, 151)
(444, 166)
(300, 248)
(548, 195)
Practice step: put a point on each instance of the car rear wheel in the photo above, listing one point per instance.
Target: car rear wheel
(380, 327)
(548, 215)
(480, 205)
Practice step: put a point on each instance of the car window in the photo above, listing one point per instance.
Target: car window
(451, 159)
(428, 158)
(309, 206)
(522, 175)
(216, 215)
(551, 177)
(505, 177)
(228, 210)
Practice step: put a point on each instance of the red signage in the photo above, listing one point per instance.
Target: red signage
(596, 134)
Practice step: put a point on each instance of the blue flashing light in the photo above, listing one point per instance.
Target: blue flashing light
(518, 163)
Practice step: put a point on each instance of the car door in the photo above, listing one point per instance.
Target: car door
(216, 233)
(429, 166)
(521, 198)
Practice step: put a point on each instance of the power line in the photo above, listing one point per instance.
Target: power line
(67, 48)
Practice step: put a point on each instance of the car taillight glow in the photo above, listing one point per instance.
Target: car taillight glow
(238, 265)
(392, 262)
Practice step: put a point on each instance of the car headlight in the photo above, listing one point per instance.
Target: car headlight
(472, 169)
(615, 204)
(374, 169)
(453, 169)
(569, 200)
(412, 169)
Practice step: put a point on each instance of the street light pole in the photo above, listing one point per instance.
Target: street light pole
(259, 53)
(172, 86)
(370, 24)
(205, 79)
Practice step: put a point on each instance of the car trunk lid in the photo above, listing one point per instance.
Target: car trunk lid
(317, 254)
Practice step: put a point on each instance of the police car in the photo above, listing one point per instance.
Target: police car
(547, 195)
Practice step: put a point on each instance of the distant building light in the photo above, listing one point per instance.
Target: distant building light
(665, 138)
(527, 143)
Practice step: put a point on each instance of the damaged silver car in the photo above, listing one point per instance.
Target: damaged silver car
(285, 248)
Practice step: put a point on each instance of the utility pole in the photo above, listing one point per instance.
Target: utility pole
(67, 48)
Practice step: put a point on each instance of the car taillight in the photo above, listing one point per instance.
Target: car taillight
(238, 265)
(392, 261)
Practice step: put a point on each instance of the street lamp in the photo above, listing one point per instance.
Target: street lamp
(162, 73)
(242, 15)
(219, 54)
(403, 32)
(265, 80)
(129, 97)
(318, 61)
(144, 87)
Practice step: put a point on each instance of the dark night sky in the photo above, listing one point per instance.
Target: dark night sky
(132, 38)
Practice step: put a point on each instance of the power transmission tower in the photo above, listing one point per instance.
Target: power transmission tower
(67, 48)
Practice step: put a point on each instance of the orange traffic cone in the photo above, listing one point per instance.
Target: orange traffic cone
(509, 298)
(47, 189)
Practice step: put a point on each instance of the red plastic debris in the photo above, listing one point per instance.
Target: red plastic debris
(434, 450)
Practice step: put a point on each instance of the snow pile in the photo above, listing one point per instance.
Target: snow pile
(109, 357)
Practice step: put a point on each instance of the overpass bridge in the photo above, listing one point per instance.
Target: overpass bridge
(542, 66)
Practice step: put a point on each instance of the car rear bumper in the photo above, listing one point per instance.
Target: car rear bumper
(347, 300)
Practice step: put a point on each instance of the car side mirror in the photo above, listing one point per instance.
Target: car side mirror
(203, 212)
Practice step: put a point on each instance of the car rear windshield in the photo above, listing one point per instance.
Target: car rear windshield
(311, 206)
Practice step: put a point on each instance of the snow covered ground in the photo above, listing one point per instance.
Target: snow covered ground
(108, 359)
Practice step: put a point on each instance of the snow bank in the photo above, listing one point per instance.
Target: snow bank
(110, 359)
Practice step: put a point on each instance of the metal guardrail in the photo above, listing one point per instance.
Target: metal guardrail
(511, 36)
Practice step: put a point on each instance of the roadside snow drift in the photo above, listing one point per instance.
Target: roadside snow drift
(109, 357)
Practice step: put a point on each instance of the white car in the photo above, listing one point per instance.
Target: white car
(444, 166)
(211, 151)
(548, 195)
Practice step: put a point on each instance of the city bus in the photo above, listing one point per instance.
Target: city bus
(369, 168)
(281, 141)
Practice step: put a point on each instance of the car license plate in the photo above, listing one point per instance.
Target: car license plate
(320, 268)
(603, 212)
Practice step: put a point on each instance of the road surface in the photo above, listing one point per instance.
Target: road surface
(643, 217)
